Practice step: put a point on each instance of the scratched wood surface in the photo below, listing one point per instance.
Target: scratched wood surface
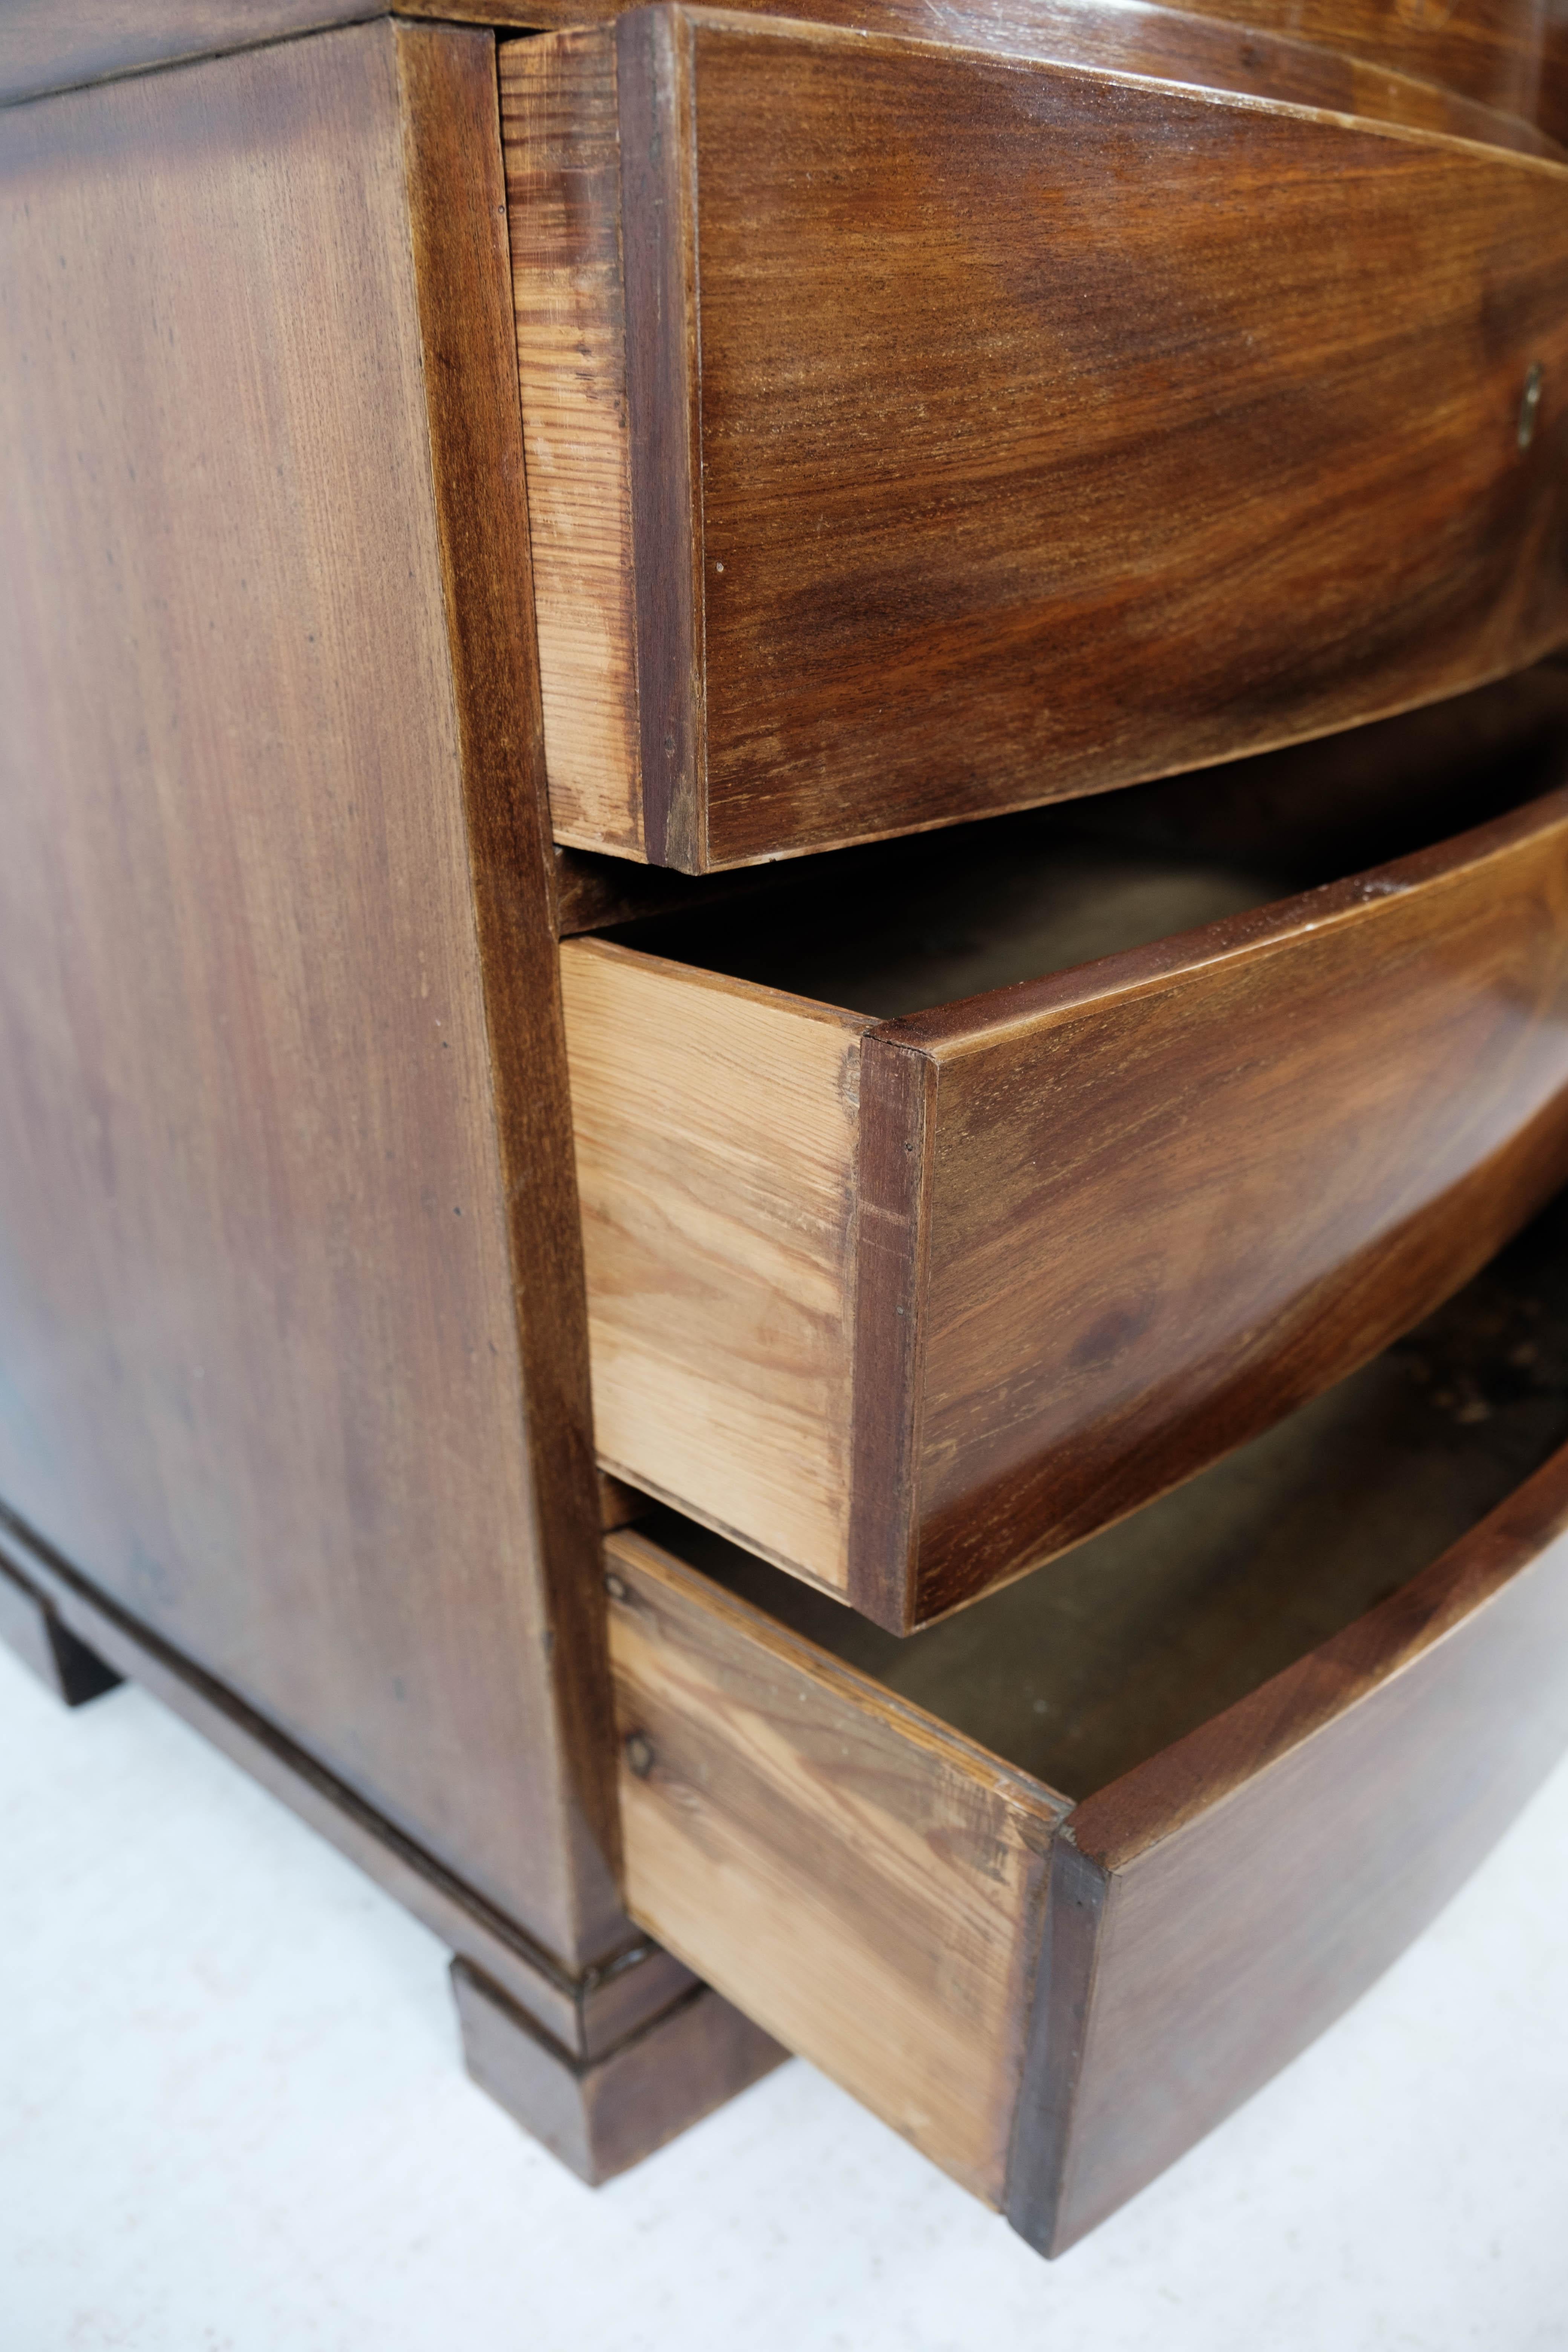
(968, 532)
(1023, 1262)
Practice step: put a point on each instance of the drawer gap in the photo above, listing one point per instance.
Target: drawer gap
(903, 927)
(1083, 1669)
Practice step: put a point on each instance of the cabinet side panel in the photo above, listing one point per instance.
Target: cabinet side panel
(259, 1371)
(458, 211)
(560, 140)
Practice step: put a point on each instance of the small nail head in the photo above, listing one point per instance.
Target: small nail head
(1529, 406)
(614, 1588)
(639, 1756)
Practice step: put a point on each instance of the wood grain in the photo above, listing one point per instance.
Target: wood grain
(281, 1136)
(1515, 54)
(1377, 1069)
(1511, 56)
(1045, 1221)
(654, 85)
(620, 1505)
(1295, 1702)
(57, 45)
(863, 1883)
(1506, 57)
(562, 199)
(593, 893)
(972, 533)
(715, 1127)
(1211, 1912)
(457, 215)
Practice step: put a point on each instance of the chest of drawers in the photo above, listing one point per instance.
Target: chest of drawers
(488, 1272)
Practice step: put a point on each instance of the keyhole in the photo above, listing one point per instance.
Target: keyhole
(1530, 406)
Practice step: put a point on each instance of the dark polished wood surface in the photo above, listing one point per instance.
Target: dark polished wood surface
(1213, 1912)
(282, 1134)
(971, 530)
(1506, 55)
(1264, 53)
(1217, 1176)
(457, 207)
(1487, 72)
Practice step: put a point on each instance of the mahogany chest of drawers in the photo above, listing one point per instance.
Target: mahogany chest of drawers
(783, 1008)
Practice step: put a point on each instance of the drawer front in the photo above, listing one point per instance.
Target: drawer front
(910, 1306)
(913, 432)
(1493, 74)
(1507, 54)
(870, 1888)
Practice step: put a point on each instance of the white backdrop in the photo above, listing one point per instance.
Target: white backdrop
(233, 2119)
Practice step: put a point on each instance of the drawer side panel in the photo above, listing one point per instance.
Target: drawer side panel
(863, 1883)
(715, 1125)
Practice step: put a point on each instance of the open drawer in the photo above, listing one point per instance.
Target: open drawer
(914, 433)
(1054, 1887)
(910, 1304)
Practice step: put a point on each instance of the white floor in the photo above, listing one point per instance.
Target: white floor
(233, 2119)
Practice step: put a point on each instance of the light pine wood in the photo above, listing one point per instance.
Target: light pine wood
(715, 1127)
(869, 1885)
(919, 528)
(564, 208)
